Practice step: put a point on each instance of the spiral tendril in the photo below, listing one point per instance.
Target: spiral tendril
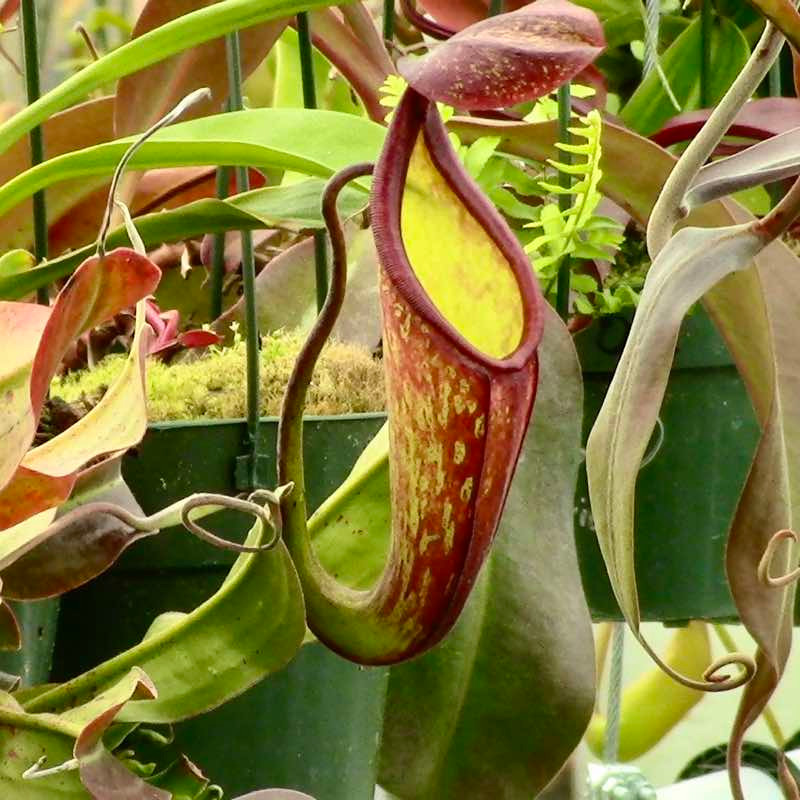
(765, 565)
(712, 681)
(181, 511)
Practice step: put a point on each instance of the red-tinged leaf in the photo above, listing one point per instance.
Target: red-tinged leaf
(98, 289)
(8, 11)
(81, 126)
(199, 338)
(509, 58)
(47, 473)
(457, 14)
(42, 558)
(29, 492)
(460, 392)
(758, 119)
(21, 327)
(104, 776)
(145, 96)
(364, 62)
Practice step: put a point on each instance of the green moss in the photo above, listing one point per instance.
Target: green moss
(347, 380)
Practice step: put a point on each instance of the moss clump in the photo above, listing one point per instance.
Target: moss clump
(347, 380)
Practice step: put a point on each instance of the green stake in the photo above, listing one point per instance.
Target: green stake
(565, 181)
(388, 20)
(254, 479)
(310, 101)
(30, 43)
(706, 23)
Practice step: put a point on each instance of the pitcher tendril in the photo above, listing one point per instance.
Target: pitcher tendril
(765, 565)
(170, 117)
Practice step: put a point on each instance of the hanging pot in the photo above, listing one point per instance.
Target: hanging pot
(687, 493)
(313, 727)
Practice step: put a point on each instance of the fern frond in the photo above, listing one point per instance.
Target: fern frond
(579, 231)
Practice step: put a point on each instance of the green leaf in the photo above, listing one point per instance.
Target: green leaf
(251, 627)
(295, 206)
(497, 708)
(274, 138)
(650, 107)
(156, 45)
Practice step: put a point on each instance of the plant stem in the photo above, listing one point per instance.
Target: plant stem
(388, 20)
(310, 101)
(706, 23)
(236, 103)
(218, 259)
(669, 209)
(30, 44)
(565, 181)
(495, 7)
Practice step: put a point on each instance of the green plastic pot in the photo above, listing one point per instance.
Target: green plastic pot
(687, 494)
(38, 623)
(313, 727)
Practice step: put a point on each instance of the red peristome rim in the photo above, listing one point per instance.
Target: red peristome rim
(415, 113)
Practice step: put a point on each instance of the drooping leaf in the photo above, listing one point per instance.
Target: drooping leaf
(251, 627)
(45, 557)
(528, 53)
(258, 137)
(460, 391)
(618, 440)
(45, 476)
(494, 714)
(650, 107)
(144, 97)
(770, 501)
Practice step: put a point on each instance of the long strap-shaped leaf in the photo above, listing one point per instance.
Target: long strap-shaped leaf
(461, 322)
